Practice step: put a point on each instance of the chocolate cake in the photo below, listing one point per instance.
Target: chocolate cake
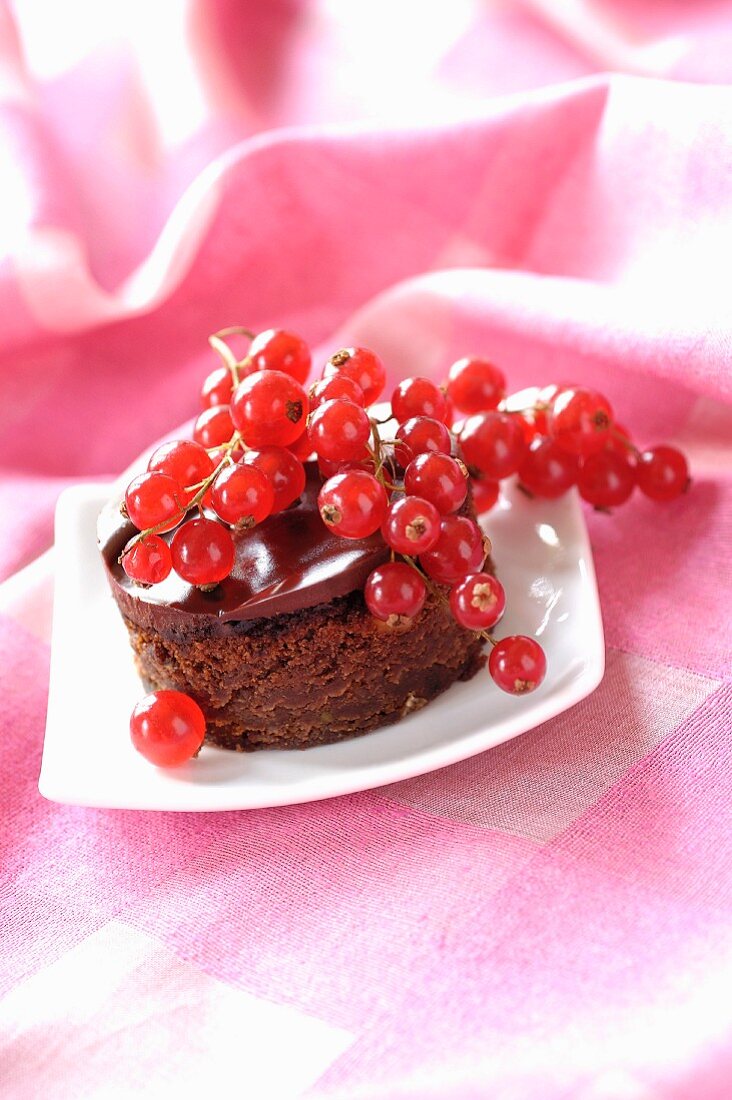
(283, 653)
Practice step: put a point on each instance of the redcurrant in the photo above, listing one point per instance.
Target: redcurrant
(439, 479)
(242, 495)
(269, 408)
(517, 664)
(459, 550)
(475, 385)
(411, 526)
(148, 561)
(580, 420)
(217, 388)
(421, 435)
(394, 592)
(363, 366)
(285, 473)
(187, 462)
(418, 397)
(663, 473)
(283, 351)
(353, 504)
(339, 431)
(547, 470)
(214, 426)
(167, 728)
(493, 444)
(606, 479)
(338, 385)
(203, 552)
(478, 601)
(485, 494)
(153, 500)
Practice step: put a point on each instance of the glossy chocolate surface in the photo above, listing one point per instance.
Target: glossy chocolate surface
(288, 563)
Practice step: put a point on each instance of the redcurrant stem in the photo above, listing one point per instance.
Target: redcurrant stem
(235, 330)
(197, 499)
(625, 441)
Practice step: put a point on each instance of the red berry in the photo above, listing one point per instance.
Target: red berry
(152, 500)
(580, 420)
(419, 436)
(338, 385)
(284, 471)
(475, 385)
(242, 495)
(269, 408)
(547, 470)
(214, 426)
(418, 397)
(217, 388)
(478, 601)
(339, 431)
(619, 440)
(459, 550)
(167, 727)
(203, 552)
(606, 479)
(302, 448)
(663, 473)
(186, 462)
(363, 366)
(148, 561)
(439, 479)
(282, 351)
(485, 494)
(493, 444)
(411, 526)
(517, 664)
(353, 504)
(394, 592)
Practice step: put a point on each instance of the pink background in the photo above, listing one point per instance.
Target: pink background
(548, 183)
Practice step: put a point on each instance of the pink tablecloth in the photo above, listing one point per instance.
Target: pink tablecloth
(551, 919)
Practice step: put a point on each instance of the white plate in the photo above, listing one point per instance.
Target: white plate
(543, 558)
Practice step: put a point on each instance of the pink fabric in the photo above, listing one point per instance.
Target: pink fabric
(552, 919)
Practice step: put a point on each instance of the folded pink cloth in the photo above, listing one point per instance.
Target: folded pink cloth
(553, 918)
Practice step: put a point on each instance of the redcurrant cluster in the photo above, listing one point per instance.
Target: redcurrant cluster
(259, 424)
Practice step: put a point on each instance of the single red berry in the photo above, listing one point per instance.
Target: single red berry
(242, 495)
(153, 500)
(269, 408)
(493, 444)
(619, 440)
(439, 479)
(214, 426)
(547, 470)
(148, 561)
(339, 431)
(606, 479)
(337, 386)
(411, 526)
(663, 473)
(187, 462)
(475, 385)
(580, 420)
(478, 601)
(459, 550)
(485, 494)
(203, 552)
(302, 448)
(282, 351)
(421, 435)
(167, 728)
(394, 592)
(418, 397)
(353, 504)
(363, 366)
(285, 472)
(217, 388)
(517, 664)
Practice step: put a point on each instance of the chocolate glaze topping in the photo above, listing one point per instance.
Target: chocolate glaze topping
(288, 563)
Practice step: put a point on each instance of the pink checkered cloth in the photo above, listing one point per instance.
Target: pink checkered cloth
(551, 919)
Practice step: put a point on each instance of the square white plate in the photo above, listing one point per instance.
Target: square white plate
(543, 558)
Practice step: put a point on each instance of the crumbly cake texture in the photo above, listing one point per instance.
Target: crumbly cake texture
(312, 677)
